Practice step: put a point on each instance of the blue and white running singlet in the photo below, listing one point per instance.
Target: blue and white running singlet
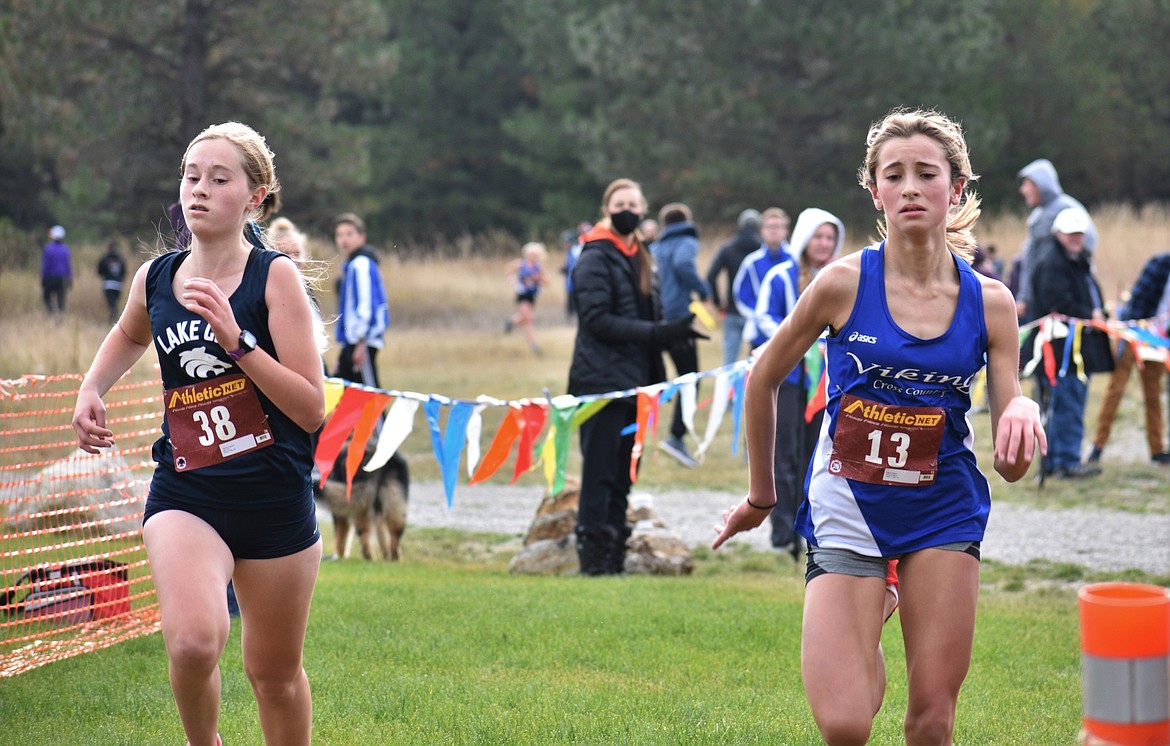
(528, 279)
(894, 470)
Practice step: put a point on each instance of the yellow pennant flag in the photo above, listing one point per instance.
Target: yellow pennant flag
(548, 456)
(334, 388)
(702, 314)
(587, 410)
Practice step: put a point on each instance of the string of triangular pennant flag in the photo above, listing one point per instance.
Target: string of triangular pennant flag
(456, 425)
(355, 410)
(1149, 342)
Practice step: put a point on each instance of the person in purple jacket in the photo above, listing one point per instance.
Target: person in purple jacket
(56, 271)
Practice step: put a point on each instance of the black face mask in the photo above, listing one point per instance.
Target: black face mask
(625, 222)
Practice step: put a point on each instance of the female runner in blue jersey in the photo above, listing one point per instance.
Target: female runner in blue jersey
(231, 497)
(894, 475)
(528, 272)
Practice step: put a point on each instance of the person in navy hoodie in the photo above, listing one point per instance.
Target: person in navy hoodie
(231, 497)
(675, 255)
(1149, 300)
(894, 477)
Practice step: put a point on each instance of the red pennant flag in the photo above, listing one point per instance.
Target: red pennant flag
(341, 424)
(1049, 361)
(501, 446)
(532, 416)
(361, 435)
(818, 398)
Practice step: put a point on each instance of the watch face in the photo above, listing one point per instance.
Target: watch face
(247, 340)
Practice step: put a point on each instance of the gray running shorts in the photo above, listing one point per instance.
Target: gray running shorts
(823, 560)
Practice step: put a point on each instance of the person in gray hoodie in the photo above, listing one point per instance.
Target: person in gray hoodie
(1041, 190)
(816, 240)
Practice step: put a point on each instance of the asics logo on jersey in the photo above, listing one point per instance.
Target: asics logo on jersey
(859, 337)
(199, 363)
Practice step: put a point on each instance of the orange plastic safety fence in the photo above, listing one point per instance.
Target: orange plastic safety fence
(73, 569)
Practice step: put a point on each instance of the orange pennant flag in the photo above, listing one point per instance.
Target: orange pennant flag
(361, 435)
(501, 446)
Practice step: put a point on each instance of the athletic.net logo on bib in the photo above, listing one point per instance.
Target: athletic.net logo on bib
(885, 443)
(215, 421)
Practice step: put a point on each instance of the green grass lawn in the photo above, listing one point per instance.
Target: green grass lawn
(441, 651)
(448, 648)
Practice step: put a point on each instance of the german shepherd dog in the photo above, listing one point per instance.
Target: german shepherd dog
(377, 504)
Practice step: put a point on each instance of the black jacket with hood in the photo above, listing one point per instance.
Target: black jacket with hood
(615, 347)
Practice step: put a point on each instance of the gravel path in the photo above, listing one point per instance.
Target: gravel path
(1105, 540)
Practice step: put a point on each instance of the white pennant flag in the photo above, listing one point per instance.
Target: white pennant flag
(718, 409)
(474, 430)
(399, 422)
(686, 392)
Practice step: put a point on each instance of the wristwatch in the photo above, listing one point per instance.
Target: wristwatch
(247, 344)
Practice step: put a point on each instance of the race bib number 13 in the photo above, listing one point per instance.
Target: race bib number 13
(214, 421)
(886, 444)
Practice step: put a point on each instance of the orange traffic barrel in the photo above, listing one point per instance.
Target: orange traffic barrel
(1125, 663)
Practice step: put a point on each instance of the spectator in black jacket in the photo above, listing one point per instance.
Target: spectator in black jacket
(1062, 283)
(112, 269)
(620, 339)
(727, 260)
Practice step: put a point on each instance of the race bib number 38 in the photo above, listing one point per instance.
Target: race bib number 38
(886, 444)
(214, 421)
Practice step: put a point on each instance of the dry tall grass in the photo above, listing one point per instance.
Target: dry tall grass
(1127, 238)
(446, 334)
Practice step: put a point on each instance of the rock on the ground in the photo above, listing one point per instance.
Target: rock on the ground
(547, 557)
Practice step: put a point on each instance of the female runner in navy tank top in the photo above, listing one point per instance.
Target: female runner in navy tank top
(231, 497)
(894, 475)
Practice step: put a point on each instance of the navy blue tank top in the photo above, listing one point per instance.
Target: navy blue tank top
(189, 353)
